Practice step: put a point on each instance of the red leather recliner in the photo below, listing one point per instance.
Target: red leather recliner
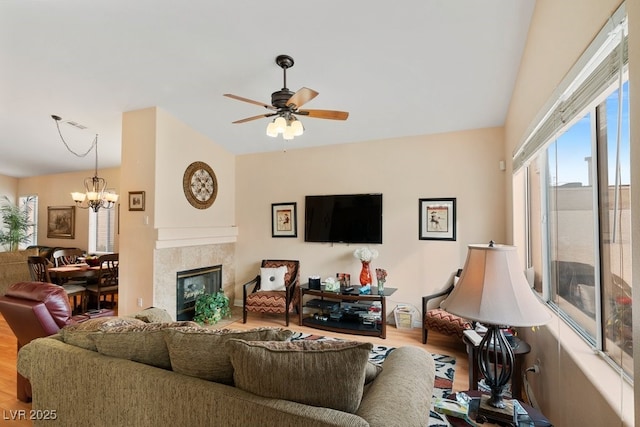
(34, 310)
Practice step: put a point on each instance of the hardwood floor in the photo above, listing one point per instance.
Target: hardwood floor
(438, 343)
(10, 406)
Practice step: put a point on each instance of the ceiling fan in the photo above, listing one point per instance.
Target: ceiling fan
(286, 106)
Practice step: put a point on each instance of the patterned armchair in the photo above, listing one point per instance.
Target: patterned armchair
(441, 320)
(274, 290)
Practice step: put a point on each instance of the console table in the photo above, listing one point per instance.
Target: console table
(333, 301)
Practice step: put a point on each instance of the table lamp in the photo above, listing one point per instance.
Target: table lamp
(493, 290)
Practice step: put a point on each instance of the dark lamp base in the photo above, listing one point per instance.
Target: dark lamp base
(501, 415)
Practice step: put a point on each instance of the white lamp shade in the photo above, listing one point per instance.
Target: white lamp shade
(280, 124)
(92, 196)
(494, 290)
(272, 130)
(288, 133)
(111, 197)
(78, 197)
(297, 128)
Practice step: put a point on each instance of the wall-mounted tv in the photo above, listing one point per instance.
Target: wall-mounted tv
(343, 218)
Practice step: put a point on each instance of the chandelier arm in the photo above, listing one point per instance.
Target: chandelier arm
(93, 144)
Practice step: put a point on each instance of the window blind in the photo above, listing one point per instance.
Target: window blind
(597, 69)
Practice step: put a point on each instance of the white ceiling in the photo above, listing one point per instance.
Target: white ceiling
(399, 68)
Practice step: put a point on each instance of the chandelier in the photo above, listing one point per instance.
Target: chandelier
(95, 196)
(287, 125)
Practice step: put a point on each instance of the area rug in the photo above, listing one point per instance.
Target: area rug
(445, 369)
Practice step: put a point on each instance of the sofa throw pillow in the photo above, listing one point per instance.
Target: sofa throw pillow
(201, 352)
(78, 334)
(141, 343)
(328, 374)
(272, 279)
(154, 315)
(371, 372)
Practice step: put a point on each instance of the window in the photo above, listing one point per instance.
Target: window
(30, 203)
(577, 167)
(102, 231)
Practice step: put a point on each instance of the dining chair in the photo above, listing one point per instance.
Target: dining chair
(39, 271)
(107, 285)
(66, 256)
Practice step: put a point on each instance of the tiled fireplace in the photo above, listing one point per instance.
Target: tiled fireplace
(169, 261)
(190, 284)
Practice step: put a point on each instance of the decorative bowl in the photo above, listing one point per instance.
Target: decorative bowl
(93, 262)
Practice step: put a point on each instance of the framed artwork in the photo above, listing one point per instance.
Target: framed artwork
(61, 222)
(136, 200)
(284, 222)
(438, 219)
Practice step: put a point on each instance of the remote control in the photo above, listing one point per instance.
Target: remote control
(349, 289)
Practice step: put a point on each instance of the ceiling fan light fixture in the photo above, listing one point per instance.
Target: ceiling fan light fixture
(272, 131)
(280, 124)
(288, 133)
(297, 128)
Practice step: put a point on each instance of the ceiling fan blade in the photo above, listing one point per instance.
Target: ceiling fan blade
(301, 97)
(324, 114)
(250, 101)
(248, 119)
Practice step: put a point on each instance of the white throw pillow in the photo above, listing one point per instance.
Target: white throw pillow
(272, 279)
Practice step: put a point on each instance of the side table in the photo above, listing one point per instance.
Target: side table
(533, 418)
(520, 348)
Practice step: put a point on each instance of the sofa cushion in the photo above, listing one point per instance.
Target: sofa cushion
(320, 373)
(78, 334)
(154, 315)
(142, 343)
(201, 352)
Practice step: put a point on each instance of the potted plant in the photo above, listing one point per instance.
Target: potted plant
(16, 224)
(211, 308)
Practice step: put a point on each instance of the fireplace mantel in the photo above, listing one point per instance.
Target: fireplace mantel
(195, 236)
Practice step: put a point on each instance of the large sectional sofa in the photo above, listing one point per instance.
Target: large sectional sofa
(114, 374)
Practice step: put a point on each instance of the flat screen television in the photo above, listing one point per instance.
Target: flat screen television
(343, 218)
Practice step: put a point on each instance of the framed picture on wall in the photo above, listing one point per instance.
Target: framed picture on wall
(61, 222)
(437, 219)
(136, 200)
(284, 221)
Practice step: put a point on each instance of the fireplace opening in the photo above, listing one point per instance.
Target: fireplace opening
(190, 284)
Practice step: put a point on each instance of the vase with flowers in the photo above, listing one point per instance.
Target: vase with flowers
(365, 255)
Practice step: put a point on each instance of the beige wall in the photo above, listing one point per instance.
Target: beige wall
(464, 165)
(156, 150)
(8, 187)
(137, 240)
(55, 190)
(560, 32)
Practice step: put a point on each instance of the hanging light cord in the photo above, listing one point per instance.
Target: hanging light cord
(93, 144)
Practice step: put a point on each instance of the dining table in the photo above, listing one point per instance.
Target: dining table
(73, 271)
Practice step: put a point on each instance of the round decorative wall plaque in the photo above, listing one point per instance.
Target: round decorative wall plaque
(200, 185)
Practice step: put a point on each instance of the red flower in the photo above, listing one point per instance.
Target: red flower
(623, 300)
